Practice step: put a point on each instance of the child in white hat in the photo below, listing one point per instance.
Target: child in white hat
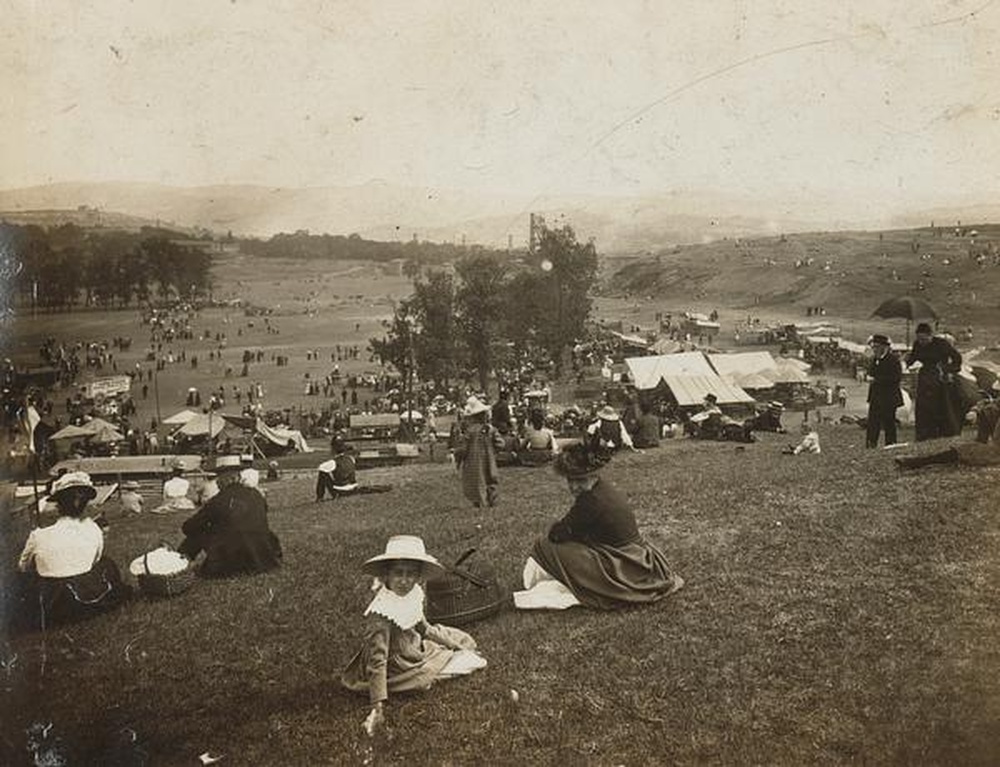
(401, 650)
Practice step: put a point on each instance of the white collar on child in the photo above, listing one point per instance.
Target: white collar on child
(406, 612)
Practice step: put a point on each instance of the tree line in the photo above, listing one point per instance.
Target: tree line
(353, 247)
(493, 314)
(63, 267)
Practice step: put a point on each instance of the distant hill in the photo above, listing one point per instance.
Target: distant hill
(84, 217)
(387, 212)
(848, 273)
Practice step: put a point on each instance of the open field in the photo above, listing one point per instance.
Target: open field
(835, 612)
(315, 307)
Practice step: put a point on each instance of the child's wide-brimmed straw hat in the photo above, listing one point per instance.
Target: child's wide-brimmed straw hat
(407, 548)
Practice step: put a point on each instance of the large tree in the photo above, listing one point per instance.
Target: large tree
(569, 271)
(481, 308)
(437, 348)
(396, 346)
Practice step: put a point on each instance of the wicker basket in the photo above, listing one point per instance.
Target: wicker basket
(465, 593)
(157, 585)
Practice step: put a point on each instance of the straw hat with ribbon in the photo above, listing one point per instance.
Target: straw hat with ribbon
(73, 479)
(409, 548)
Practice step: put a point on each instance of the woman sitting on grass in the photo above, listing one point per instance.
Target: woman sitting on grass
(540, 445)
(69, 576)
(595, 555)
(401, 650)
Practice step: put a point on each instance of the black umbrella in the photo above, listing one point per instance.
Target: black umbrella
(906, 307)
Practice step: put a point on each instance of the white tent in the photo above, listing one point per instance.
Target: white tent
(689, 376)
(691, 390)
(201, 423)
(750, 380)
(752, 369)
(179, 419)
(647, 372)
(280, 436)
(741, 363)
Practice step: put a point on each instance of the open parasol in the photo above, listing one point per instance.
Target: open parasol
(909, 308)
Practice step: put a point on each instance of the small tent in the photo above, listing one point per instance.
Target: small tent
(179, 419)
(688, 377)
(200, 425)
(647, 372)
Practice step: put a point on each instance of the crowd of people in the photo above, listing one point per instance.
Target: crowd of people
(594, 556)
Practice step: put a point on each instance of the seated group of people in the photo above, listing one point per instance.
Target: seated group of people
(67, 575)
(711, 423)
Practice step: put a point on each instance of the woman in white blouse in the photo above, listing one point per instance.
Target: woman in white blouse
(69, 576)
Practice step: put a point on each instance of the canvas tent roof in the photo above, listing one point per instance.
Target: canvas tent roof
(96, 428)
(282, 437)
(201, 423)
(788, 370)
(276, 435)
(741, 363)
(646, 372)
(689, 376)
(629, 339)
(180, 418)
(750, 380)
(751, 369)
(691, 389)
(71, 432)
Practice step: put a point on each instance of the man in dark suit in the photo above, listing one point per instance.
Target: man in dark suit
(884, 395)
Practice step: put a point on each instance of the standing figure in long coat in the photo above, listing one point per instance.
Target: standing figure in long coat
(884, 395)
(936, 413)
(476, 459)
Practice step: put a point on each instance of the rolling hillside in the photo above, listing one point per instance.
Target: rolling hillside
(848, 273)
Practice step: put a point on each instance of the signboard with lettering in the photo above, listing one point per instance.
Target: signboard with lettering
(102, 388)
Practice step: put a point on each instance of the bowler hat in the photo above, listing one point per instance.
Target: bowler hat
(879, 338)
(924, 327)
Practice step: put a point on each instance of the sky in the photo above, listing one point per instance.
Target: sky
(882, 102)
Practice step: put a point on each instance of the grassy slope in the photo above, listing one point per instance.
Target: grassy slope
(731, 275)
(835, 612)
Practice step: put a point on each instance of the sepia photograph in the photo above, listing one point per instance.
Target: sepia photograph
(499, 383)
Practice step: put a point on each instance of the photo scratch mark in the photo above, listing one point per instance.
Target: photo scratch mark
(691, 84)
